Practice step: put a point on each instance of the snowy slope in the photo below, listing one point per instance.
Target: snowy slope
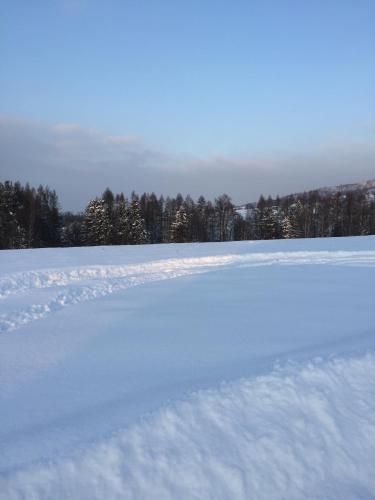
(233, 370)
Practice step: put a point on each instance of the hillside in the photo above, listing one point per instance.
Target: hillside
(367, 188)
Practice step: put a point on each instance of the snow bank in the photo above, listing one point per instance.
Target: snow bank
(300, 432)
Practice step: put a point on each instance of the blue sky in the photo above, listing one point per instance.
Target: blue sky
(204, 78)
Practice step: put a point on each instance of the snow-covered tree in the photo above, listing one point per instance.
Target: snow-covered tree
(287, 228)
(12, 233)
(122, 222)
(180, 226)
(96, 223)
(137, 229)
(270, 223)
(293, 222)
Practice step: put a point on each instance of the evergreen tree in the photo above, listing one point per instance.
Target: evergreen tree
(109, 203)
(122, 222)
(97, 225)
(180, 227)
(200, 220)
(12, 234)
(152, 213)
(169, 214)
(293, 222)
(137, 231)
(270, 222)
(287, 227)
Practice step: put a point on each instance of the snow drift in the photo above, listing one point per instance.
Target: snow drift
(300, 432)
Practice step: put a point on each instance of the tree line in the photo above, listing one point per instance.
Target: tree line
(31, 218)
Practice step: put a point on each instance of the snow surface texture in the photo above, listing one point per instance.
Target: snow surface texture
(237, 370)
(285, 435)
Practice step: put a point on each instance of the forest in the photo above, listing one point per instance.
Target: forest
(32, 218)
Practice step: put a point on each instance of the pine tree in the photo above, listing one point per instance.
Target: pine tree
(137, 231)
(109, 202)
(287, 228)
(12, 233)
(270, 223)
(72, 234)
(122, 222)
(180, 226)
(293, 222)
(97, 224)
(152, 212)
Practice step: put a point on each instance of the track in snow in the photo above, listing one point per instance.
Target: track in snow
(71, 286)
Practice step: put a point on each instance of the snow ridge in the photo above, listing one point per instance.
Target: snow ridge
(300, 432)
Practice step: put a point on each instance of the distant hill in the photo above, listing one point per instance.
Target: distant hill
(367, 187)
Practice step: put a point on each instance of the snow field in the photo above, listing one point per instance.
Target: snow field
(216, 371)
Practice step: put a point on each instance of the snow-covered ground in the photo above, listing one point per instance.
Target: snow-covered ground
(205, 371)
